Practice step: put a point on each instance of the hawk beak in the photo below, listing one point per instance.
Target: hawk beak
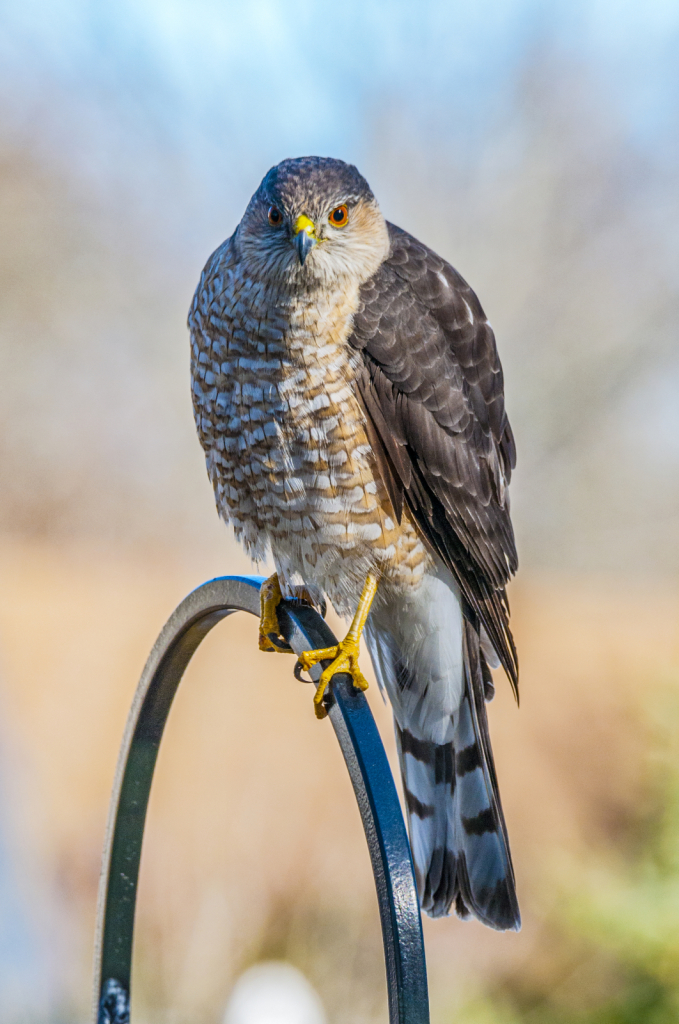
(305, 237)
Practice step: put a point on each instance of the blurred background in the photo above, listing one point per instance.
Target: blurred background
(536, 146)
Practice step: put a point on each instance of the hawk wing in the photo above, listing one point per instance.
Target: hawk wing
(431, 386)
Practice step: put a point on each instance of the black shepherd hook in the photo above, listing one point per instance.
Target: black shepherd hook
(366, 761)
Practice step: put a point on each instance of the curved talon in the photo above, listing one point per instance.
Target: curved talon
(297, 672)
(273, 642)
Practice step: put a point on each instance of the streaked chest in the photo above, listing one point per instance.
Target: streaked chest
(285, 439)
(272, 379)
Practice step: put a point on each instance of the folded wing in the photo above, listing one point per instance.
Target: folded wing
(431, 385)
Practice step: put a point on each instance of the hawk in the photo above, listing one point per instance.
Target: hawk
(349, 399)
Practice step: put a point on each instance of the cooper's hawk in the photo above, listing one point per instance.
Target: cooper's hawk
(349, 398)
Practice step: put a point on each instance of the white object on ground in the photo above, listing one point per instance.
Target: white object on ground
(274, 992)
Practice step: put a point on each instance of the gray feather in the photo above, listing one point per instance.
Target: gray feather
(457, 829)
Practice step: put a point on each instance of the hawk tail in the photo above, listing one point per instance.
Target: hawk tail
(457, 829)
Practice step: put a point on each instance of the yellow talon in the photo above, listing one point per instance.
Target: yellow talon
(270, 597)
(343, 657)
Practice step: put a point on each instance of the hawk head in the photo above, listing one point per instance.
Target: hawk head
(313, 222)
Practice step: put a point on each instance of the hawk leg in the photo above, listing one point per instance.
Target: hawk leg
(270, 596)
(343, 657)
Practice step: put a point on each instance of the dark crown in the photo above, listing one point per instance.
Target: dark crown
(315, 180)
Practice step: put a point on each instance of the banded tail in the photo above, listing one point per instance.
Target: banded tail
(429, 659)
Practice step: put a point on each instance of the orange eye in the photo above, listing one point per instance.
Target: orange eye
(275, 216)
(339, 216)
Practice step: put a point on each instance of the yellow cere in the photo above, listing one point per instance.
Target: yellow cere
(304, 224)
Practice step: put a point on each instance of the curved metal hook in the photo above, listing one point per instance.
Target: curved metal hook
(368, 769)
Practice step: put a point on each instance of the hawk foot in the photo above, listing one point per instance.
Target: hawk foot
(343, 658)
(270, 638)
(270, 597)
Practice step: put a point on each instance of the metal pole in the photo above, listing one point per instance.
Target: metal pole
(368, 769)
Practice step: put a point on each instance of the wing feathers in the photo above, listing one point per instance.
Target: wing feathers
(432, 390)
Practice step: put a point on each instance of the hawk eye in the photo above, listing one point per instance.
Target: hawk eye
(275, 216)
(339, 216)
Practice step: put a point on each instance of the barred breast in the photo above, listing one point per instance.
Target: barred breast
(284, 435)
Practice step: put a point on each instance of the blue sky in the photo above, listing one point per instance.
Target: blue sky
(270, 78)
